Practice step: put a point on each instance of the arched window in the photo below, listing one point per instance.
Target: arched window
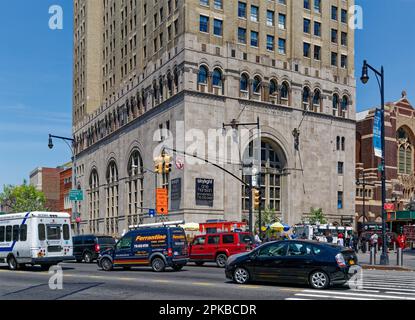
(335, 104)
(170, 84)
(316, 100)
(203, 75)
(161, 88)
(112, 194)
(284, 93)
(270, 180)
(94, 202)
(244, 82)
(217, 78)
(256, 85)
(135, 188)
(405, 152)
(306, 98)
(345, 105)
(273, 87)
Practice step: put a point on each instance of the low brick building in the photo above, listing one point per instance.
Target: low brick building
(65, 182)
(400, 146)
(47, 181)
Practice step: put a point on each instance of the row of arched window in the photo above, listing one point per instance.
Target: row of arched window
(271, 91)
(134, 195)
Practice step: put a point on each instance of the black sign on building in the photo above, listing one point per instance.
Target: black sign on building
(175, 193)
(204, 192)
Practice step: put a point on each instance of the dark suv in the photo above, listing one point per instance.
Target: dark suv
(88, 247)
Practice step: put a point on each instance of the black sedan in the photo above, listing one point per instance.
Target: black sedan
(297, 261)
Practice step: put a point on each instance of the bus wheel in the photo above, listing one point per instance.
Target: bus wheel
(13, 265)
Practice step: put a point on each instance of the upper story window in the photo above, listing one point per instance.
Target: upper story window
(344, 16)
(243, 86)
(405, 152)
(317, 6)
(218, 4)
(307, 4)
(218, 27)
(204, 24)
(254, 39)
(203, 75)
(270, 18)
(241, 9)
(281, 46)
(306, 50)
(242, 35)
(334, 14)
(317, 29)
(217, 78)
(335, 104)
(204, 2)
(307, 23)
(256, 84)
(273, 87)
(254, 13)
(282, 21)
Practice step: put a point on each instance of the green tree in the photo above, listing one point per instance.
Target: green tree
(268, 216)
(317, 216)
(22, 198)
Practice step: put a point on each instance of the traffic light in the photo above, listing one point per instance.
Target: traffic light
(257, 199)
(167, 164)
(158, 165)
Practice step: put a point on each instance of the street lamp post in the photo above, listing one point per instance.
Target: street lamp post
(75, 203)
(384, 259)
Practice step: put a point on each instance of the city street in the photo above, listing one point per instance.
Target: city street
(85, 281)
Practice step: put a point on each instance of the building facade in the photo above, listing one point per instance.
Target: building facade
(47, 181)
(65, 187)
(186, 65)
(399, 144)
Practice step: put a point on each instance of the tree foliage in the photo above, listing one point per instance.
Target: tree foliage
(268, 216)
(317, 216)
(22, 198)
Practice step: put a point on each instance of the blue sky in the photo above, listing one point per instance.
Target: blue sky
(36, 75)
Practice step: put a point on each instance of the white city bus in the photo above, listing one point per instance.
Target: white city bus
(35, 238)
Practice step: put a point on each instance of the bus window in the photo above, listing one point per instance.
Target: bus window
(15, 233)
(66, 233)
(42, 232)
(53, 232)
(23, 232)
(8, 233)
(2, 230)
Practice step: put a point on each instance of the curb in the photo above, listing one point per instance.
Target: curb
(385, 268)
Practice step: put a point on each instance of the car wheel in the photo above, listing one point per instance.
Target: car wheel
(158, 265)
(241, 276)
(319, 280)
(106, 264)
(178, 267)
(13, 265)
(87, 257)
(221, 260)
(199, 263)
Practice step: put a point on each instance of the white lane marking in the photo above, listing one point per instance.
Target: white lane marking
(330, 297)
(386, 288)
(298, 299)
(400, 293)
(354, 294)
(362, 290)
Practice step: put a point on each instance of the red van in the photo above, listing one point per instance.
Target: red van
(217, 247)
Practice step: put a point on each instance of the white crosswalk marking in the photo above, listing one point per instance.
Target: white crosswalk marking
(369, 285)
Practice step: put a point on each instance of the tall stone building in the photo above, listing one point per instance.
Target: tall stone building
(141, 66)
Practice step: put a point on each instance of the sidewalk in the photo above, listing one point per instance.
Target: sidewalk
(408, 261)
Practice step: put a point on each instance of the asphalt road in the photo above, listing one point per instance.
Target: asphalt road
(87, 282)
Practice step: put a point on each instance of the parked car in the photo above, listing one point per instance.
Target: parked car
(296, 261)
(88, 247)
(158, 247)
(217, 247)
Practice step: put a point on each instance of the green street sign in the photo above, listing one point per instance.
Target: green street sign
(76, 195)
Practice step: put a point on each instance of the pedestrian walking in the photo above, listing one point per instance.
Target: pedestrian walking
(340, 239)
(401, 241)
(258, 240)
(374, 241)
(330, 238)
